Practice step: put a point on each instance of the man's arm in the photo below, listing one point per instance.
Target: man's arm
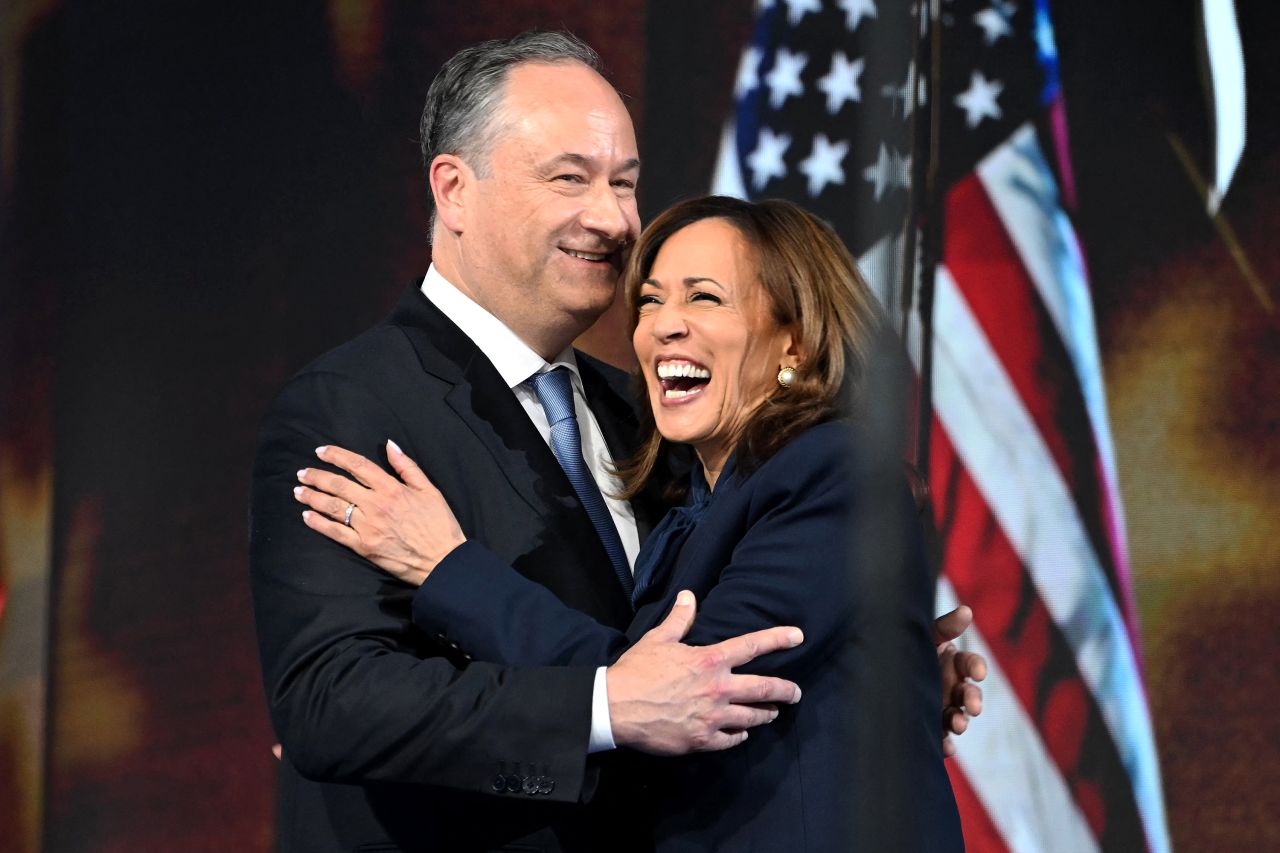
(357, 694)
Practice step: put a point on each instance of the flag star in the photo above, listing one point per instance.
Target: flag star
(902, 93)
(748, 76)
(841, 82)
(766, 161)
(784, 78)
(889, 171)
(993, 23)
(822, 166)
(855, 11)
(797, 9)
(979, 100)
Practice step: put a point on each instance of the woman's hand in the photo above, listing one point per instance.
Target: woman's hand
(404, 528)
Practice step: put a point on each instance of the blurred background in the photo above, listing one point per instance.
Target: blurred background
(199, 198)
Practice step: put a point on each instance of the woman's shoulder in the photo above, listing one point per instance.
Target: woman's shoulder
(834, 442)
(824, 453)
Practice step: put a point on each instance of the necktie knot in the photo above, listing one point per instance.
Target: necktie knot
(555, 391)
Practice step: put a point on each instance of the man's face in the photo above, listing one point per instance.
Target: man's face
(546, 223)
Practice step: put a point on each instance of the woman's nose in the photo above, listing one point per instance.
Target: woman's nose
(669, 323)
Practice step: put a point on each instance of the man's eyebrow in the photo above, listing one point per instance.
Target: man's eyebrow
(585, 162)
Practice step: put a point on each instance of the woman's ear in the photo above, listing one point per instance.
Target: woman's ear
(793, 354)
(451, 180)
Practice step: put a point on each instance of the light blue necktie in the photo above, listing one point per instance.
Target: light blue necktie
(555, 390)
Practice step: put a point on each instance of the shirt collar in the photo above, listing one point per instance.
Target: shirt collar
(513, 358)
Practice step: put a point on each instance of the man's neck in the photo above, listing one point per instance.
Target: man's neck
(546, 342)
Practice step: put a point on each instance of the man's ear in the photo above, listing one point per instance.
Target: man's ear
(450, 180)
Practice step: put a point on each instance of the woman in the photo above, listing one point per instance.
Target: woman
(752, 329)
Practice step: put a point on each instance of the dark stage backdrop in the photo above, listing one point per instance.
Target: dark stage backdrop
(199, 198)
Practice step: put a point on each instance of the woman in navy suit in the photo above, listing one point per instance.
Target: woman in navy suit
(752, 328)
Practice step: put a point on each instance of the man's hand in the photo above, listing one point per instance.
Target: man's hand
(667, 698)
(961, 697)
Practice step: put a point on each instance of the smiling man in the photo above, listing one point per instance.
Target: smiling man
(393, 739)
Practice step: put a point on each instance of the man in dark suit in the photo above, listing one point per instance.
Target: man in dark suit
(392, 739)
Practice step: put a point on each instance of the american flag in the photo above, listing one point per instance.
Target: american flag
(829, 103)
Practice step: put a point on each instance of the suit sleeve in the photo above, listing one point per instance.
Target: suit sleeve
(493, 613)
(798, 563)
(356, 693)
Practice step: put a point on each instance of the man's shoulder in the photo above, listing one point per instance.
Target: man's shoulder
(380, 365)
(356, 355)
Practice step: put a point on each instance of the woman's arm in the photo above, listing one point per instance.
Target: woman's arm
(467, 596)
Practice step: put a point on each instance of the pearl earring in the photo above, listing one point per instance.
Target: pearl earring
(786, 376)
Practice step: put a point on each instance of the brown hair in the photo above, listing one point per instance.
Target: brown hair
(811, 285)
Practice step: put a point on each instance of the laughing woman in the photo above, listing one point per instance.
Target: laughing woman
(752, 329)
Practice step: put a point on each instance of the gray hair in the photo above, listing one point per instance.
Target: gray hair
(463, 103)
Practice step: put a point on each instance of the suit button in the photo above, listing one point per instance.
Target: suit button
(514, 783)
(531, 784)
(547, 785)
(499, 783)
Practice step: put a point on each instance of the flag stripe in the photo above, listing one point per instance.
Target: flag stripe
(1007, 767)
(980, 832)
(1037, 662)
(998, 444)
(986, 267)
(1022, 189)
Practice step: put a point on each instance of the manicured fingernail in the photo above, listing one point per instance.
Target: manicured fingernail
(321, 449)
(297, 491)
(302, 473)
(796, 698)
(394, 447)
(684, 598)
(306, 515)
(796, 637)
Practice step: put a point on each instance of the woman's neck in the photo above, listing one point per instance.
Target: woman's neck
(712, 460)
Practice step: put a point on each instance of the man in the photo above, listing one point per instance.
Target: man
(392, 740)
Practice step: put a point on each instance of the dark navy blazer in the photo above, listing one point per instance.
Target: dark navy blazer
(772, 548)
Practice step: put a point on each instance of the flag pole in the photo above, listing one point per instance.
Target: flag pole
(924, 247)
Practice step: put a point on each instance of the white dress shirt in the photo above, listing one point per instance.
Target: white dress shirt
(516, 362)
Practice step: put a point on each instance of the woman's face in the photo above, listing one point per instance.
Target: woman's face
(707, 346)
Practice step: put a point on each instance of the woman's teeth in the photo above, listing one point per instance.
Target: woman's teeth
(681, 378)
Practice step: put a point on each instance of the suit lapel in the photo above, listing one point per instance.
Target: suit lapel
(480, 398)
(485, 404)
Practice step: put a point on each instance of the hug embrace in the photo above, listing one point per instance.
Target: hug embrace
(492, 642)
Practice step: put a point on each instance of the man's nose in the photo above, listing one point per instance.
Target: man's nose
(609, 215)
